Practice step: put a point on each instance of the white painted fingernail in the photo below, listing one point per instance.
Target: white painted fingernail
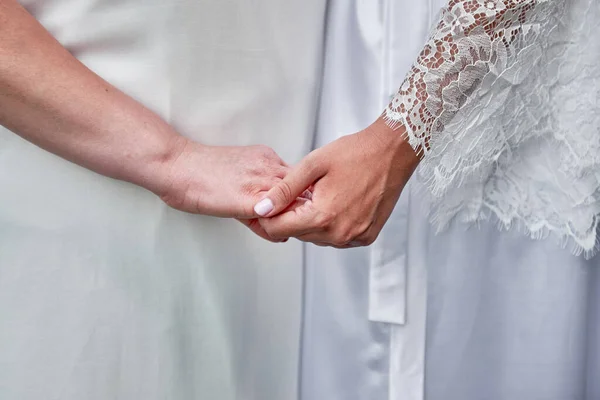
(264, 207)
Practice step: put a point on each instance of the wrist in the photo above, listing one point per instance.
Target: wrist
(394, 142)
(155, 170)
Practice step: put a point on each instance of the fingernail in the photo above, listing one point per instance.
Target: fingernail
(264, 207)
(307, 194)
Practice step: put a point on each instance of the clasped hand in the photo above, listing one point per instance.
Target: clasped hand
(355, 183)
(340, 195)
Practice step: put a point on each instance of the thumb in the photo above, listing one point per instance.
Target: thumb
(290, 188)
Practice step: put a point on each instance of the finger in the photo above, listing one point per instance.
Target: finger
(307, 194)
(291, 187)
(255, 227)
(300, 219)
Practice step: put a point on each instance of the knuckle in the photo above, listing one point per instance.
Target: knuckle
(324, 220)
(336, 241)
(369, 238)
(354, 236)
(367, 241)
(363, 234)
(342, 237)
(363, 228)
(339, 242)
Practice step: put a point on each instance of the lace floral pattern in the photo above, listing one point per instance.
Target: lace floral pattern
(503, 105)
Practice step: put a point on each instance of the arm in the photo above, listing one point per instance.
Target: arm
(358, 179)
(52, 100)
(474, 41)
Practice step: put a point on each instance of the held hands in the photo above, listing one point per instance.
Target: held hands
(355, 183)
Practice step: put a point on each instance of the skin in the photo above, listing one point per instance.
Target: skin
(356, 182)
(52, 100)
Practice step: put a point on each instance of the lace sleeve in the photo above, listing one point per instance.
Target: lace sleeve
(502, 105)
(473, 38)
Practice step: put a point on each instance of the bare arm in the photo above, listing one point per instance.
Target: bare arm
(52, 100)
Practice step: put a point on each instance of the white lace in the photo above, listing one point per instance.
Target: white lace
(503, 104)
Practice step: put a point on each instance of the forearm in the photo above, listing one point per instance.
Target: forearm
(52, 100)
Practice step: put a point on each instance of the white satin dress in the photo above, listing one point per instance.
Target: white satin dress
(106, 293)
(472, 313)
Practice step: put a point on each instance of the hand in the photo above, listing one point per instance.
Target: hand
(221, 181)
(356, 180)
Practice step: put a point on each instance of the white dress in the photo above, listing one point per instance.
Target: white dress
(106, 293)
(473, 312)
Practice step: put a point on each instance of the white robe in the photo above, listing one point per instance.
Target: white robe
(471, 314)
(106, 293)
